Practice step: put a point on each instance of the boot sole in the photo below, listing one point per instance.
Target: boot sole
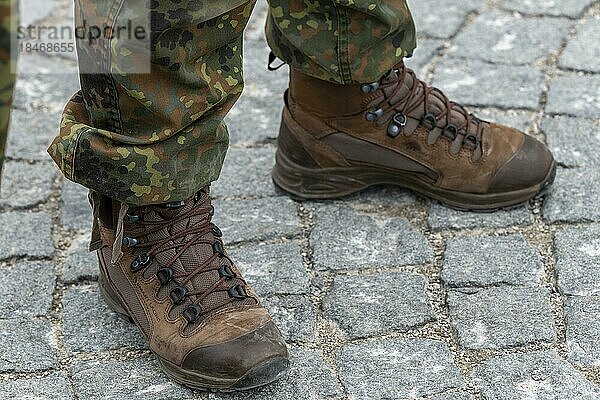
(262, 374)
(304, 183)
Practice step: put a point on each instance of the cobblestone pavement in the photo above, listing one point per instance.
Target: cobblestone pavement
(383, 295)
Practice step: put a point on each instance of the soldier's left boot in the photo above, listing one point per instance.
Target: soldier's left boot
(166, 269)
(339, 139)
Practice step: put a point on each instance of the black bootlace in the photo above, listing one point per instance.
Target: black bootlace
(181, 241)
(394, 110)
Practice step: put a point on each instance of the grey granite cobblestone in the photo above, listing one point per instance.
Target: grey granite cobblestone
(33, 11)
(260, 219)
(294, 315)
(345, 239)
(573, 141)
(25, 234)
(26, 289)
(247, 172)
(542, 375)
(397, 368)
(454, 395)
(124, 380)
(273, 268)
(76, 209)
(576, 95)
(368, 305)
(41, 351)
(582, 52)
(583, 330)
(500, 317)
(45, 83)
(428, 15)
(571, 8)
(578, 261)
(30, 134)
(492, 260)
(51, 387)
(500, 38)
(39, 178)
(80, 262)
(573, 197)
(309, 378)
(441, 217)
(423, 55)
(478, 83)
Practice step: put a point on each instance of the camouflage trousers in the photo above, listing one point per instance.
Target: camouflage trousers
(8, 10)
(147, 126)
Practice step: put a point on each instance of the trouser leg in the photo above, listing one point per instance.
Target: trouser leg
(8, 15)
(147, 126)
(341, 41)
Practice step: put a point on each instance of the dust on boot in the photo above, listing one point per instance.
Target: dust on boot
(165, 268)
(339, 139)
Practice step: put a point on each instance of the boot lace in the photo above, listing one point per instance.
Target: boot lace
(202, 232)
(397, 103)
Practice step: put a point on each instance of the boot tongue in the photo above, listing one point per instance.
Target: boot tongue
(170, 212)
(197, 254)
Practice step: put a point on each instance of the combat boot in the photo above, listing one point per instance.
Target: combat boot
(335, 140)
(165, 268)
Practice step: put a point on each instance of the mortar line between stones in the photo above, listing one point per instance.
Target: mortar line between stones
(322, 326)
(60, 250)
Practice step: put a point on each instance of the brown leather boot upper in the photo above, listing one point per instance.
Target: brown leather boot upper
(401, 131)
(176, 281)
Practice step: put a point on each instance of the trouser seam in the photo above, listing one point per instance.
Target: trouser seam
(343, 50)
(116, 121)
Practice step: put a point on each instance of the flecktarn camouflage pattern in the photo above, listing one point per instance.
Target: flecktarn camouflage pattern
(342, 41)
(147, 126)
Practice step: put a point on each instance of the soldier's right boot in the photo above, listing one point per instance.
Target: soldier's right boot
(164, 267)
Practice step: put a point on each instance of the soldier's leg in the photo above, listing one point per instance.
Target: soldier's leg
(148, 145)
(355, 116)
(149, 116)
(341, 41)
(8, 15)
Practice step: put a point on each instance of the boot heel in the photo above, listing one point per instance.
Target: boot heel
(311, 183)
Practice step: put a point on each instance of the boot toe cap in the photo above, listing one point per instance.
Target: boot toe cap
(254, 359)
(530, 166)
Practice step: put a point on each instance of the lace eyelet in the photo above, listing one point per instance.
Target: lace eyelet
(178, 294)
(396, 126)
(471, 140)
(218, 249)
(237, 292)
(132, 218)
(226, 272)
(450, 131)
(130, 242)
(216, 231)
(164, 275)
(192, 313)
(429, 121)
(140, 262)
(374, 115)
(369, 87)
(174, 205)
